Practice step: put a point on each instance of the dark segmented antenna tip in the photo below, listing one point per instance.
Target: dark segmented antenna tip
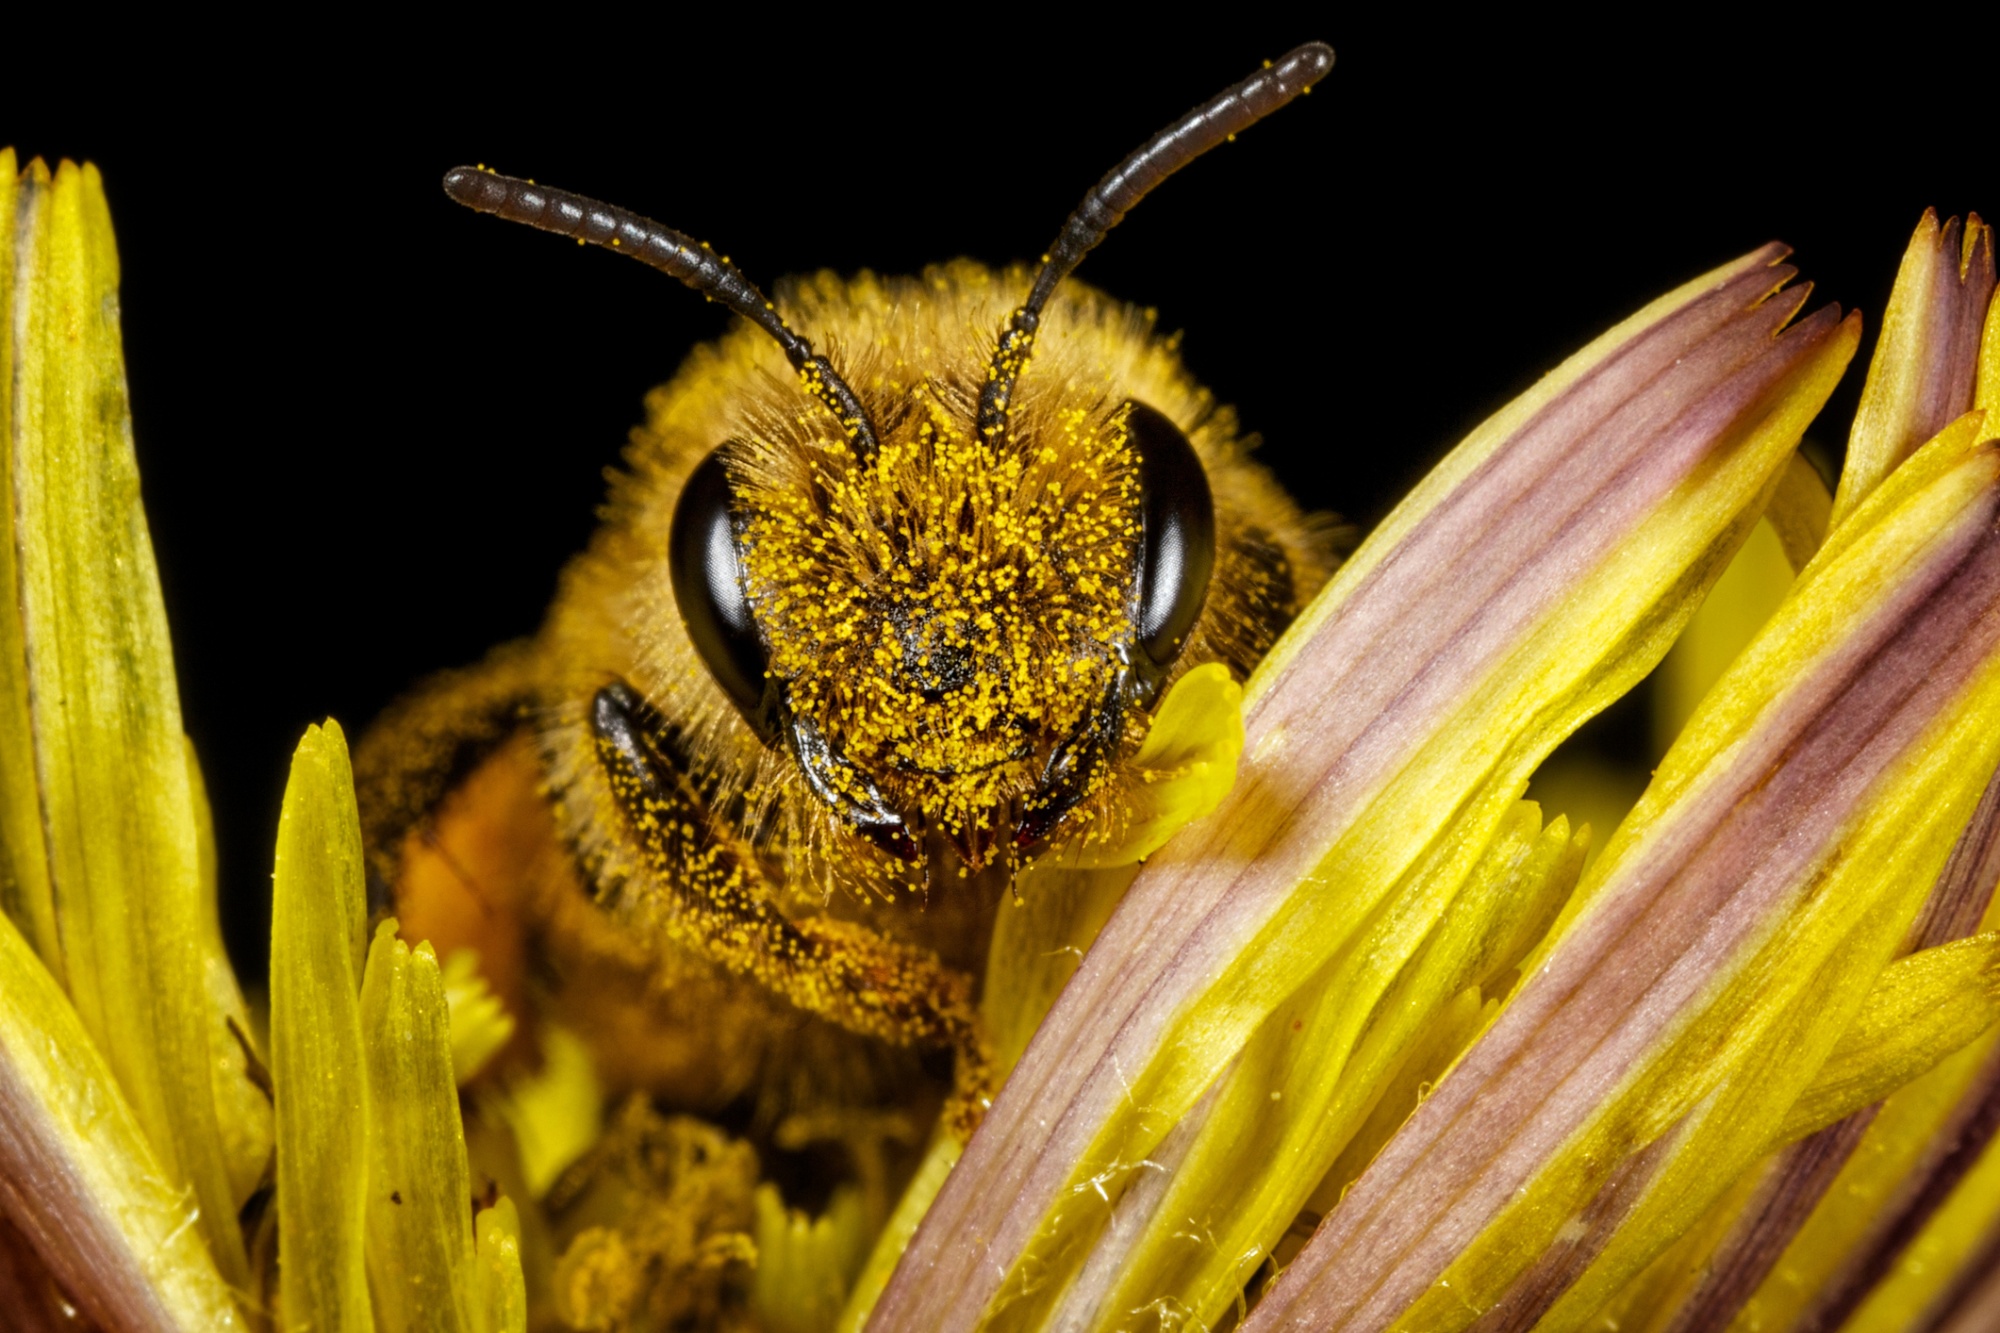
(1234, 109)
(673, 253)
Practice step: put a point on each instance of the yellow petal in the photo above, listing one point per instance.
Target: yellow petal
(25, 892)
(1986, 384)
(1039, 937)
(419, 1222)
(1801, 510)
(101, 760)
(1246, 1160)
(1182, 771)
(1830, 1247)
(242, 1108)
(1742, 600)
(555, 1112)
(1921, 1009)
(480, 1023)
(501, 1304)
(1401, 1092)
(318, 929)
(1938, 1259)
(804, 1263)
(939, 1159)
(1912, 1147)
(1923, 371)
(78, 1176)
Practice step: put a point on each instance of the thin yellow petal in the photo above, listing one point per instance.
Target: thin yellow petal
(501, 1304)
(116, 816)
(318, 1068)
(1039, 937)
(804, 1263)
(1986, 388)
(1801, 510)
(556, 1112)
(1888, 1182)
(1936, 1259)
(1401, 1092)
(243, 1109)
(1823, 1256)
(942, 1155)
(480, 1023)
(1307, 1081)
(1921, 1009)
(1182, 771)
(419, 1224)
(25, 892)
(1924, 369)
(78, 1175)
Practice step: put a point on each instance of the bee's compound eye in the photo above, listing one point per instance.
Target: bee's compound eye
(707, 573)
(1177, 550)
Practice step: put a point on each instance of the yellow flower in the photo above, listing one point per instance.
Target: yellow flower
(137, 1123)
(1313, 1013)
(1368, 1017)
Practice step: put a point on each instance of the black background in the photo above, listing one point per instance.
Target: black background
(371, 426)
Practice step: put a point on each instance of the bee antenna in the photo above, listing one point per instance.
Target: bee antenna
(674, 254)
(1234, 109)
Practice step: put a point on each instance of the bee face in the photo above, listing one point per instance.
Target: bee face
(946, 634)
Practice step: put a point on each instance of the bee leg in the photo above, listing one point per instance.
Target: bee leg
(719, 906)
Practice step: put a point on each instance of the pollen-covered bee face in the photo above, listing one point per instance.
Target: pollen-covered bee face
(946, 611)
(947, 631)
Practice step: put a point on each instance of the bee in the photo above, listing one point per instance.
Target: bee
(893, 579)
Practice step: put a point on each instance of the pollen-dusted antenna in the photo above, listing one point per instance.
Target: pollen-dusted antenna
(1221, 117)
(674, 254)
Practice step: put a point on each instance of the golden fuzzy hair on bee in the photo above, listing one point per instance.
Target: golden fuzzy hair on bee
(890, 584)
(916, 351)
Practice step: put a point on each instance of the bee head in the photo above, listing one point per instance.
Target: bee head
(947, 610)
(949, 633)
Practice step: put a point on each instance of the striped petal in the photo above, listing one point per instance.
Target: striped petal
(1922, 373)
(99, 822)
(1530, 580)
(1728, 939)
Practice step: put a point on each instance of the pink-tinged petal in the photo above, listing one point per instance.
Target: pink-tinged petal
(1796, 1182)
(1922, 374)
(1925, 374)
(89, 1207)
(1530, 580)
(1728, 937)
(1956, 1146)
